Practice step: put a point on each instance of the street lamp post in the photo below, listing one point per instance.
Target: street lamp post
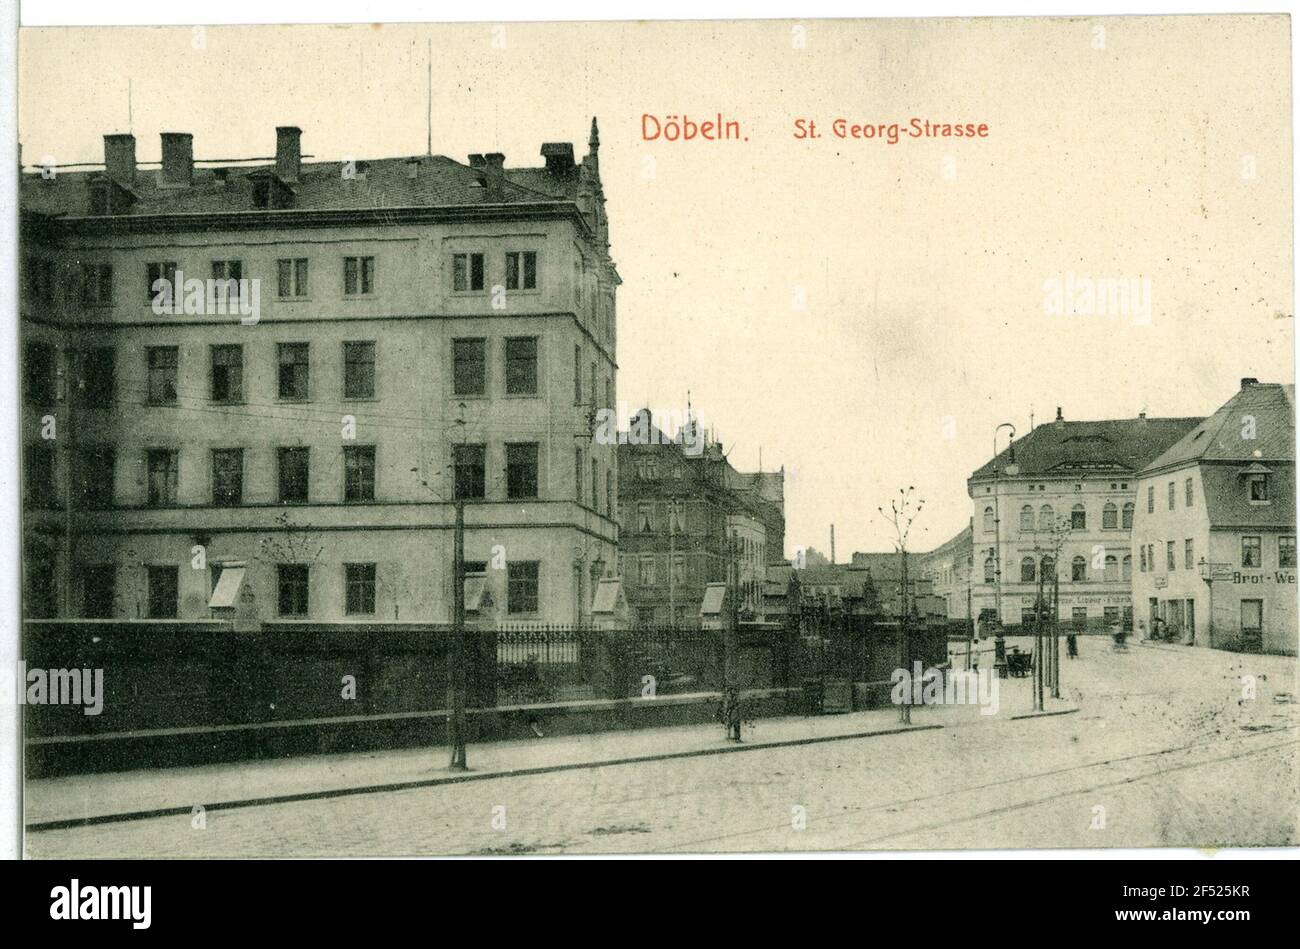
(999, 643)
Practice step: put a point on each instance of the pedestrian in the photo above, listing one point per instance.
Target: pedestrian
(1071, 646)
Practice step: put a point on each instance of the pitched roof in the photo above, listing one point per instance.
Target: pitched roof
(1122, 446)
(1228, 436)
(416, 181)
(1228, 503)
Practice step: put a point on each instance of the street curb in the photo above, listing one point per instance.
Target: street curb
(1046, 714)
(70, 822)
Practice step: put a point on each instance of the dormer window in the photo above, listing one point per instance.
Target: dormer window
(1258, 488)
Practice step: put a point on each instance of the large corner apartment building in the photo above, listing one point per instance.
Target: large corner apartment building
(426, 329)
(1060, 503)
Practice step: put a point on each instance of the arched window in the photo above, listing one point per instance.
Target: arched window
(1127, 521)
(1079, 569)
(1026, 518)
(1078, 518)
(988, 520)
(1112, 569)
(988, 570)
(1046, 518)
(1027, 570)
(1048, 567)
(1110, 517)
(1127, 567)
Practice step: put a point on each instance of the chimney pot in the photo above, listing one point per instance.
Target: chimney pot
(288, 152)
(559, 157)
(177, 158)
(1249, 381)
(119, 158)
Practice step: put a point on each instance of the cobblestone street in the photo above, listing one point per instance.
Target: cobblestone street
(1163, 751)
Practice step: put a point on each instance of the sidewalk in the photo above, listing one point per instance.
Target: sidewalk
(99, 798)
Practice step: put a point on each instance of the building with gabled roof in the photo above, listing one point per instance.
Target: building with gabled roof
(1059, 503)
(1215, 532)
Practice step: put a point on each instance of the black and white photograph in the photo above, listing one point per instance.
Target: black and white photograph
(683, 437)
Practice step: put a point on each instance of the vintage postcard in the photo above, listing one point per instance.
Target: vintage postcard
(677, 437)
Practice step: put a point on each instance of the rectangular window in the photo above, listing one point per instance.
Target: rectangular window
(98, 590)
(1187, 493)
(291, 277)
(96, 284)
(38, 465)
(293, 589)
(645, 570)
(162, 363)
(469, 366)
(1251, 553)
(1252, 615)
(595, 485)
(577, 375)
(578, 468)
(466, 272)
(609, 492)
(1286, 552)
(227, 375)
(161, 278)
(1111, 615)
(294, 469)
(164, 587)
(359, 578)
(98, 386)
(98, 464)
(358, 276)
(1259, 487)
(1170, 562)
(162, 467)
(1171, 495)
(38, 374)
(359, 370)
(1188, 560)
(521, 470)
(679, 568)
(521, 365)
(470, 465)
(227, 274)
(522, 586)
(1151, 499)
(1142, 562)
(521, 270)
(1079, 617)
(359, 473)
(294, 369)
(227, 476)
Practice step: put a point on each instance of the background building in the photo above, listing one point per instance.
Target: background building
(427, 329)
(950, 570)
(1072, 484)
(1219, 506)
(685, 515)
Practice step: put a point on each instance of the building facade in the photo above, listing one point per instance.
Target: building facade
(1060, 502)
(950, 569)
(688, 519)
(1215, 533)
(413, 331)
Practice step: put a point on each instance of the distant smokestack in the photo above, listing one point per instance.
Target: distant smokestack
(119, 158)
(288, 152)
(177, 158)
(832, 543)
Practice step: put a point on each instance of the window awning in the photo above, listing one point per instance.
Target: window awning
(226, 593)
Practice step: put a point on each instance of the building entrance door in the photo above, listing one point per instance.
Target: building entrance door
(1252, 625)
(1190, 612)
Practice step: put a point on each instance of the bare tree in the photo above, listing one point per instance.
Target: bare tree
(903, 512)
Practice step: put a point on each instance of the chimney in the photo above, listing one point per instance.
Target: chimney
(1249, 381)
(1060, 419)
(495, 175)
(177, 159)
(559, 157)
(288, 152)
(476, 161)
(119, 158)
(1142, 416)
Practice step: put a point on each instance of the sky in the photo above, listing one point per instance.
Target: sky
(861, 313)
